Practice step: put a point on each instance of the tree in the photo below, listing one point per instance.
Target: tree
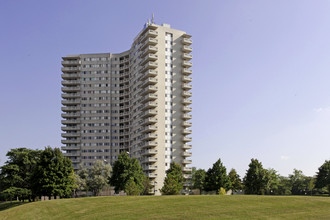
(272, 182)
(323, 176)
(94, 178)
(299, 182)
(217, 177)
(198, 178)
(17, 172)
(236, 183)
(284, 186)
(125, 169)
(53, 175)
(173, 182)
(146, 186)
(222, 191)
(255, 178)
(131, 188)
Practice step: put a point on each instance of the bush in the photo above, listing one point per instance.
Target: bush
(222, 191)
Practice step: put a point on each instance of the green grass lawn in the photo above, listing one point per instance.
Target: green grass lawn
(175, 207)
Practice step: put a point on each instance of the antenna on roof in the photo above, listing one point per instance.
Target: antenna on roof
(152, 19)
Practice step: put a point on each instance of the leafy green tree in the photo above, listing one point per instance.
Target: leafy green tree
(53, 175)
(125, 169)
(284, 186)
(323, 176)
(311, 185)
(255, 179)
(17, 171)
(131, 188)
(198, 178)
(173, 182)
(217, 177)
(272, 182)
(236, 183)
(299, 182)
(94, 178)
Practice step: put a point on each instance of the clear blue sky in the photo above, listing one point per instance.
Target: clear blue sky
(261, 81)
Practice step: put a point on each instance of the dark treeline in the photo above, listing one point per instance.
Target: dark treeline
(258, 180)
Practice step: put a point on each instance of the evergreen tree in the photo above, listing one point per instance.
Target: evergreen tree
(255, 178)
(236, 183)
(173, 182)
(198, 179)
(323, 176)
(217, 177)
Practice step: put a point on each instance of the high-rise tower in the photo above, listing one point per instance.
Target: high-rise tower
(137, 101)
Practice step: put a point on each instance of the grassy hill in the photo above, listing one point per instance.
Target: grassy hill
(175, 207)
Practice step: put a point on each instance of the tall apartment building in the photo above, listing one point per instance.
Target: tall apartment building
(136, 101)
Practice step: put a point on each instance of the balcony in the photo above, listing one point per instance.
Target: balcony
(149, 49)
(187, 41)
(149, 81)
(70, 95)
(187, 124)
(149, 136)
(149, 73)
(70, 128)
(149, 41)
(187, 169)
(149, 121)
(186, 49)
(150, 167)
(71, 89)
(187, 109)
(186, 79)
(70, 62)
(70, 141)
(187, 116)
(68, 121)
(186, 64)
(70, 148)
(75, 160)
(149, 97)
(187, 176)
(186, 161)
(187, 139)
(186, 154)
(186, 94)
(70, 82)
(186, 86)
(70, 76)
(186, 56)
(149, 152)
(150, 57)
(186, 101)
(70, 109)
(152, 175)
(148, 113)
(149, 89)
(71, 154)
(149, 105)
(65, 135)
(149, 33)
(70, 69)
(70, 115)
(187, 131)
(186, 71)
(70, 102)
(187, 146)
(150, 160)
(149, 128)
(124, 61)
(149, 65)
(149, 144)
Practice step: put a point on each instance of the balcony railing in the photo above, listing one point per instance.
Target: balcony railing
(70, 69)
(186, 71)
(187, 41)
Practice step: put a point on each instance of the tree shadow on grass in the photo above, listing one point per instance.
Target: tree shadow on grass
(8, 205)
